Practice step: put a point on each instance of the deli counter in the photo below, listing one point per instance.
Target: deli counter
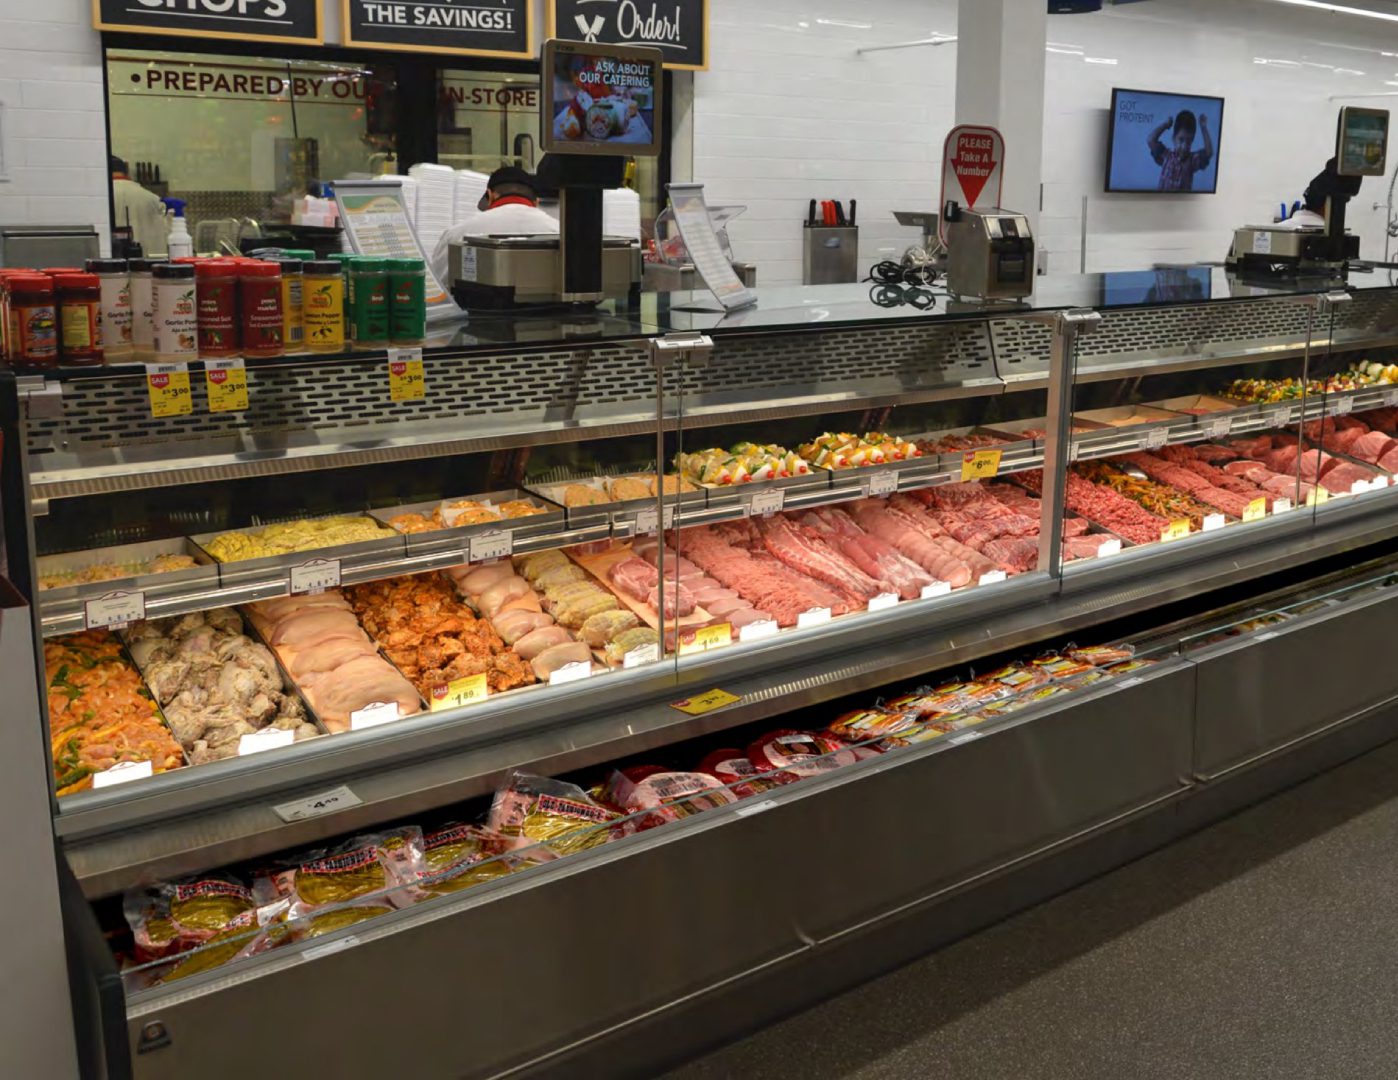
(634, 678)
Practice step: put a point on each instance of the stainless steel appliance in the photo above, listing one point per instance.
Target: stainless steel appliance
(991, 255)
(500, 272)
(47, 245)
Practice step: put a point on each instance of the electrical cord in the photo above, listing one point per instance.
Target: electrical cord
(895, 294)
(889, 272)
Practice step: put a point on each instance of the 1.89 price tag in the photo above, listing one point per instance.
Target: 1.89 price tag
(980, 465)
(469, 691)
(168, 387)
(406, 379)
(227, 385)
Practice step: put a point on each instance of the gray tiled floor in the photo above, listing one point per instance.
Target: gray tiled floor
(1264, 947)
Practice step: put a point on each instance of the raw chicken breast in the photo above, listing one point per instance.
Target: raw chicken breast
(550, 660)
(309, 628)
(513, 625)
(329, 655)
(539, 641)
(478, 579)
(494, 599)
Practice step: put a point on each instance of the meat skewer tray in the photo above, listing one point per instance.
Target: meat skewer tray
(456, 540)
(622, 513)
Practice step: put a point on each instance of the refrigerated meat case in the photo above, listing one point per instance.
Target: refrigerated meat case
(633, 952)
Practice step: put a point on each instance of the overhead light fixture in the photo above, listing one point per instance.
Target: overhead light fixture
(1339, 9)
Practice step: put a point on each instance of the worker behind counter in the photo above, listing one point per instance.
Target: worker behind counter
(1327, 184)
(509, 207)
(141, 209)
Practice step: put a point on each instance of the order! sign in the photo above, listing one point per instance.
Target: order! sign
(678, 28)
(464, 27)
(973, 169)
(296, 21)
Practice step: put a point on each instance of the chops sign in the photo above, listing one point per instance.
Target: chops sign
(973, 168)
(267, 20)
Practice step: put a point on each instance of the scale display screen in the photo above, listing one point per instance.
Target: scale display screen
(1363, 142)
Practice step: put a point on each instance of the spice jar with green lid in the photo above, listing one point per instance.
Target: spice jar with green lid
(407, 286)
(370, 300)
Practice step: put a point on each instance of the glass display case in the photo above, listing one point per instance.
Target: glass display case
(599, 548)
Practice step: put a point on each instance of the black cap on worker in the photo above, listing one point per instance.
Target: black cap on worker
(507, 181)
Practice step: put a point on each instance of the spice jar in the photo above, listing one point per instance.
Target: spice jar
(79, 318)
(346, 261)
(369, 298)
(407, 287)
(5, 276)
(176, 316)
(142, 310)
(324, 314)
(217, 298)
(114, 276)
(33, 332)
(263, 324)
(293, 312)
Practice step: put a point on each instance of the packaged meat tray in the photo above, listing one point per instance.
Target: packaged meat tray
(946, 450)
(734, 769)
(351, 539)
(152, 567)
(603, 499)
(662, 796)
(453, 522)
(794, 755)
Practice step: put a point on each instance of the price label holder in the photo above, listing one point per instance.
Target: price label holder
(327, 802)
(376, 715)
(1390, 397)
(980, 465)
(648, 521)
(1279, 417)
(1154, 440)
(707, 702)
(1214, 522)
(260, 742)
(814, 617)
(884, 601)
(406, 378)
(1176, 530)
(1216, 427)
(1379, 482)
(757, 631)
(766, 503)
(1074, 450)
(641, 656)
(992, 577)
(114, 610)
(1342, 406)
(879, 484)
(1109, 547)
(1318, 497)
(1255, 510)
(468, 691)
(168, 388)
(1281, 506)
(1361, 487)
(314, 576)
(705, 638)
(937, 588)
(489, 546)
(965, 737)
(123, 772)
(226, 382)
(570, 673)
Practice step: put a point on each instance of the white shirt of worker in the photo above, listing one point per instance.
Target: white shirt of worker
(146, 213)
(513, 219)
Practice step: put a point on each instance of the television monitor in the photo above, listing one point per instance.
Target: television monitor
(1164, 143)
(601, 99)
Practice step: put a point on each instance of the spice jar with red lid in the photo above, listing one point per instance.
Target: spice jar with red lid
(33, 317)
(262, 323)
(79, 318)
(217, 281)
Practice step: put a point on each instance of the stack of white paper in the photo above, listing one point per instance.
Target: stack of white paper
(436, 202)
(470, 186)
(621, 213)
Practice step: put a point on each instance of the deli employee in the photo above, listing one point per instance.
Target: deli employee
(509, 207)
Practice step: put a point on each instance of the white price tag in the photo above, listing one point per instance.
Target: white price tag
(993, 577)
(1281, 506)
(748, 809)
(1277, 417)
(267, 739)
(937, 588)
(1215, 427)
(815, 617)
(1109, 547)
(964, 737)
(1154, 440)
(375, 715)
(648, 521)
(571, 673)
(1390, 397)
(315, 576)
(349, 940)
(114, 610)
(327, 802)
(1378, 483)
(641, 655)
(487, 547)
(1361, 487)
(1213, 522)
(883, 601)
(1342, 406)
(123, 772)
(761, 503)
(883, 483)
(756, 631)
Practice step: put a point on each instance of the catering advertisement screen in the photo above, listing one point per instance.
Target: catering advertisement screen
(601, 99)
(1164, 143)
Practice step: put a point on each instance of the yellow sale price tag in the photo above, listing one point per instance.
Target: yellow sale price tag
(706, 703)
(406, 381)
(468, 691)
(168, 386)
(980, 465)
(705, 638)
(1255, 510)
(1176, 530)
(227, 385)
(1318, 497)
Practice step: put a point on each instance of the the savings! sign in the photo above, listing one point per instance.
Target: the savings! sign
(973, 169)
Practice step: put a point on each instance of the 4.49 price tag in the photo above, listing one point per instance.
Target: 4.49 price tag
(468, 691)
(314, 576)
(168, 387)
(227, 384)
(1176, 530)
(406, 379)
(980, 465)
(115, 609)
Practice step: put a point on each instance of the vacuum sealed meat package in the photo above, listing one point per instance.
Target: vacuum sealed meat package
(372, 864)
(734, 769)
(563, 817)
(670, 796)
(795, 755)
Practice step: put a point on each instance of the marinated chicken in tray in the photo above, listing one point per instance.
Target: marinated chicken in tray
(110, 571)
(214, 682)
(286, 537)
(433, 637)
(100, 713)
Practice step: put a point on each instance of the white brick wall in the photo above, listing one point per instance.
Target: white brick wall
(55, 137)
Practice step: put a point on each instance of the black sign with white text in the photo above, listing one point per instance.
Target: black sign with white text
(470, 27)
(261, 20)
(678, 28)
